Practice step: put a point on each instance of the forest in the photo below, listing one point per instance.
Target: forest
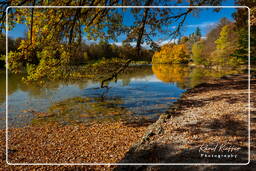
(52, 43)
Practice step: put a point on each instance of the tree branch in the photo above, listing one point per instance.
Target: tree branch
(142, 27)
(115, 74)
(31, 24)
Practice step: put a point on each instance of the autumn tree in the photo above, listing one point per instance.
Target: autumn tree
(241, 23)
(13, 44)
(183, 40)
(226, 45)
(212, 36)
(54, 34)
(193, 38)
(172, 53)
(197, 55)
(198, 33)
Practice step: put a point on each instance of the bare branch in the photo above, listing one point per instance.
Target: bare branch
(115, 74)
(142, 27)
(32, 22)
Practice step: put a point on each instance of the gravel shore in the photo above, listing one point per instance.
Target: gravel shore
(201, 127)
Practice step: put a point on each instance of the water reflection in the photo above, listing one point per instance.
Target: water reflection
(172, 73)
(189, 76)
(143, 90)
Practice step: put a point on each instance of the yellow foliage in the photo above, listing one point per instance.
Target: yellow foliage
(172, 53)
(170, 73)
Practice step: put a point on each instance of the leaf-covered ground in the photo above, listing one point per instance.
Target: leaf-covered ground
(53, 143)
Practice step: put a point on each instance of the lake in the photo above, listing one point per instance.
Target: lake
(145, 92)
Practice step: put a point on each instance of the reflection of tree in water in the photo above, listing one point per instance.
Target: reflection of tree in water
(79, 109)
(199, 75)
(41, 90)
(172, 73)
(188, 77)
(196, 76)
(14, 82)
(34, 89)
(139, 71)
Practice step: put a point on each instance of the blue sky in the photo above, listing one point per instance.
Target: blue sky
(205, 20)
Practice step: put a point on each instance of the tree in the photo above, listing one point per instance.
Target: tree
(212, 36)
(184, 39)
(54, 34)
(198, 32)
(13, 44)
(226, 45)
(241, 23)
(192, 39)
(172, 53)
(197, 50)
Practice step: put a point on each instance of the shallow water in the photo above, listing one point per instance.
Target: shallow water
(146, 91)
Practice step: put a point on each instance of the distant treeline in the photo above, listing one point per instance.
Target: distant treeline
(13, 44)
(83, 53)
(226, 44)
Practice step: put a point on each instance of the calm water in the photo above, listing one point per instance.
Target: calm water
(144, 92)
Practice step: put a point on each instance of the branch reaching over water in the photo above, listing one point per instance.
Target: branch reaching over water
(115, 74)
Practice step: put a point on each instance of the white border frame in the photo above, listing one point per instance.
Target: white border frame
(61, 164)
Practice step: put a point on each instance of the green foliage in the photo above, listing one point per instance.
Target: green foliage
(223, 46)
(241, 22)
(51, 61)
(222, 42)
(12, 46)
(197, 50)
(198, 32)
(191, 39)
(226, 45)
(86, 56)
(242, 49)
(15, 62)
(212, 36)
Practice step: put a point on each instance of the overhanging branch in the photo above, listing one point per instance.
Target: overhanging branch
(115, 74)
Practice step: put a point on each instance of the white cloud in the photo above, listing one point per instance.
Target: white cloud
(151, 78)
(91, 41)
(144, 45)
(161, 43)
(117, 43)
(133, 44)
(202, 25)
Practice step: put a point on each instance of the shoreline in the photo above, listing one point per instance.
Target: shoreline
(211, 115)
(150, 140)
